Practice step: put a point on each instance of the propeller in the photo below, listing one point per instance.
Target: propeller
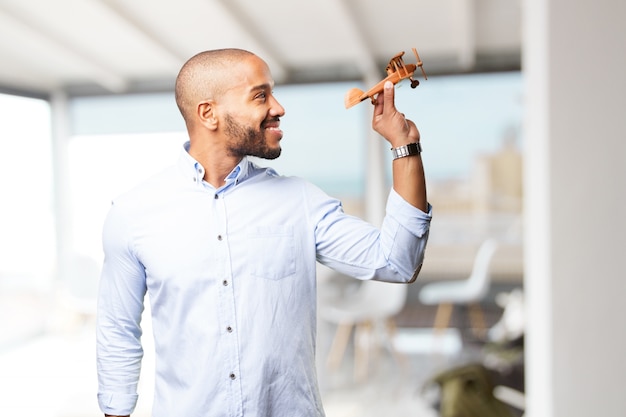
(420, 64)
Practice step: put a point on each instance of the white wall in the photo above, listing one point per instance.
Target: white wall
(575, 177)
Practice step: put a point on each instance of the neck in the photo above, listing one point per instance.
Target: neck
(217, 163)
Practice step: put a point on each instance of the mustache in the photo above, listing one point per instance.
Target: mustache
(269, 121)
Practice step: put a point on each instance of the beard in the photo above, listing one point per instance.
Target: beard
(248, 141)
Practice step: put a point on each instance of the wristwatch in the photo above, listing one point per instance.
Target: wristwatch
(406, 150)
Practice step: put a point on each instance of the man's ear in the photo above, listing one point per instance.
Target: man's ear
(206, 114)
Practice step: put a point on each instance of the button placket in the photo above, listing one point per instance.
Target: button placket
(229, 340)
(199, 174)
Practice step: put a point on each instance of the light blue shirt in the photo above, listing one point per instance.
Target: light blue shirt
(230, 274)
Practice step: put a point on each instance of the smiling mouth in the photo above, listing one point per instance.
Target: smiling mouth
(272, 124)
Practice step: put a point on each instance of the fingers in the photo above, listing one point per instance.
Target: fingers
(388, 97)
(379, 105)
(385, 100)
(388, 121)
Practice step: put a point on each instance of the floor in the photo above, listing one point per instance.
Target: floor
(391, 388)
(53, 373)
(400, 387)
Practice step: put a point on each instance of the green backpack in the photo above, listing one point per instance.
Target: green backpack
(467, 391)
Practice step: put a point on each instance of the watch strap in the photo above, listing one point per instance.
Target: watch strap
(406, 150)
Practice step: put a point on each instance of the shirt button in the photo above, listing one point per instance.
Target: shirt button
(219, 237)
(225, 283)
(217, 196)
(229, 329)
(232, 376)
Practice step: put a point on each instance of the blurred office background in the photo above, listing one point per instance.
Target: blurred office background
(521, 127)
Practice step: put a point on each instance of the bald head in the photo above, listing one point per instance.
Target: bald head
(205, 76)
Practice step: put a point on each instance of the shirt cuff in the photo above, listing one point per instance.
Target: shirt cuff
(117, 404)
(407, 215)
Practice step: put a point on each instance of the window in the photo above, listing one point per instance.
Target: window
(27, 232)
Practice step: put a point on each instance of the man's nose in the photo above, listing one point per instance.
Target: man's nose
(276, 109)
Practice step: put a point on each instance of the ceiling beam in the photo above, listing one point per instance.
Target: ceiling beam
(99, 71)
(366, 61)
(257, 36)
(29, 93)
(154, 37)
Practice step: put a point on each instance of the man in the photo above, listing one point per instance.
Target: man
(227, 251)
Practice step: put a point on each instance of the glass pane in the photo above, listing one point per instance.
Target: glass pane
(27, 240)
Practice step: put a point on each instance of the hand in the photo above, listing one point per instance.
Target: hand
(408, 173)
(391, 124)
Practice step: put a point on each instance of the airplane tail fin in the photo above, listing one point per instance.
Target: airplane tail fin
(353, 97)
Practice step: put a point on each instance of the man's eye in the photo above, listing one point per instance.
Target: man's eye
(261, 96)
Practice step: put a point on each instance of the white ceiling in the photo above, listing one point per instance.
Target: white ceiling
(117, 46)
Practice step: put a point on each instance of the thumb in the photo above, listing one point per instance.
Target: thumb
(389, 93)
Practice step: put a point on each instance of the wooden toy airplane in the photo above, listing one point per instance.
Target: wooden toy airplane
(397, 71)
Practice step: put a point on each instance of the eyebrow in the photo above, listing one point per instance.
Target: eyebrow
(261, 87)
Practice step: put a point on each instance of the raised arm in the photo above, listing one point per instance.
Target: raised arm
(408, 172)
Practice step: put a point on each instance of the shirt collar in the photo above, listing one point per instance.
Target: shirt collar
(194, 171)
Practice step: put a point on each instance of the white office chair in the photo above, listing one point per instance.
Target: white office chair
(372, 307)
(468, 292)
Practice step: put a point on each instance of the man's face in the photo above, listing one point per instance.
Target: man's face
(252, 114)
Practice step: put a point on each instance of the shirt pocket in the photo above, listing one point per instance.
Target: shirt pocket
(272, 252)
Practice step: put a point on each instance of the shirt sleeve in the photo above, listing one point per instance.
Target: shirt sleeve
(353, 247)
(404, 235)
(120, 305)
